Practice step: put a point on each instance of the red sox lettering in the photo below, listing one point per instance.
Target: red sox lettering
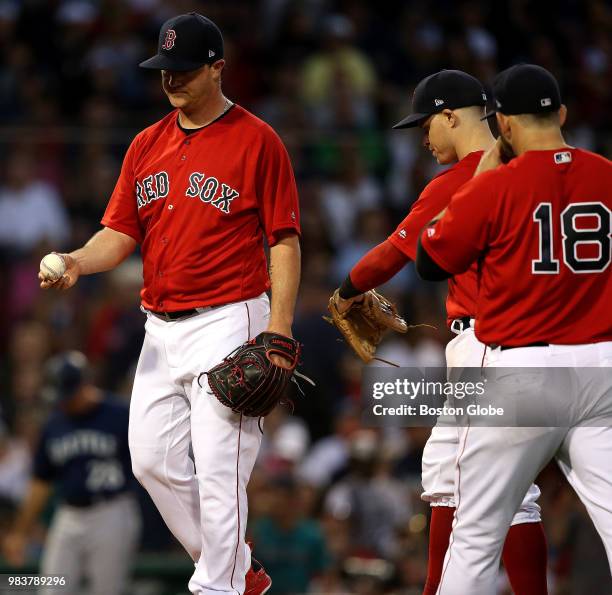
(208, 189)
(152, 188)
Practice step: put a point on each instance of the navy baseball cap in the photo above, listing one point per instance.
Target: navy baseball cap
(64, 375)
(186, 42)
(525, 89)
(447, 89)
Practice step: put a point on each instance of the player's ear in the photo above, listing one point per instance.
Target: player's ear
(504, 127)
(450, 118)
(216, 69)
(562, 115)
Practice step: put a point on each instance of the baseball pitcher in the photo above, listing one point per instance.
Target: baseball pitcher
(202, 191)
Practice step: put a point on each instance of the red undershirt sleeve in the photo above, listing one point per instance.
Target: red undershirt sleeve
(378, 266)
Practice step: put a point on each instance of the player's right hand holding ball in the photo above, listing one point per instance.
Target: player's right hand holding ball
(59, 271)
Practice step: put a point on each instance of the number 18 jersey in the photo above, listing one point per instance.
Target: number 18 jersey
(540, 229)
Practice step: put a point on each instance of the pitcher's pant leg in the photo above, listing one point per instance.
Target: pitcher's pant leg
(225, 447)
(159, 438)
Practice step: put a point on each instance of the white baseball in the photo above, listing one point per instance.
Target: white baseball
(52, 267)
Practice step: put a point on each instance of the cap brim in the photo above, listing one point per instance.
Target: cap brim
(411, 121)
(162, 62)
(489, 115)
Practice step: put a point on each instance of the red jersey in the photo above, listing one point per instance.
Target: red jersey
(462, 289)
(200, 205)
(540, 228)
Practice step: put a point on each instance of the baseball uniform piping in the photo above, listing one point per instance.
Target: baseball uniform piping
(248, 321)
(238, 465)
(237, 502)
(450, 542)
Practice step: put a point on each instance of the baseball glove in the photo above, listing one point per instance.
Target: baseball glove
(248, 382)
(365, 322)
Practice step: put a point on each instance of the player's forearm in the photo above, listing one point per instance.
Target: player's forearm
(285, 280)
(35, 501)
(104, 251)
(377, 267)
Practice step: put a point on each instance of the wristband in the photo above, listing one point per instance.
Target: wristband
(348, 290)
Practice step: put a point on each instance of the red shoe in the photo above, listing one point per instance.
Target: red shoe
(257, 581)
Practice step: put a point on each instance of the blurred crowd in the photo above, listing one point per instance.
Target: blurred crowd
(335, 506)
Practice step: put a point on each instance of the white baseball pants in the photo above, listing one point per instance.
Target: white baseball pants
(440, 452)
(205, 506)
(495, 466)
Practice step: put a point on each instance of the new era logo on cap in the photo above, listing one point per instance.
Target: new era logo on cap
(447, 89)
(210, 53)
(546, 101)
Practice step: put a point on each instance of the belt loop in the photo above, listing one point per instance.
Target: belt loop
(458, 325)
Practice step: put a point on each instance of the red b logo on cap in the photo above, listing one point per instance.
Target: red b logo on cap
(169, 40)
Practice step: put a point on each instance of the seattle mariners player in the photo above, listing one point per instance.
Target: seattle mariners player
(201, 191)
(540, 228)
(83, 452)
(448, 106)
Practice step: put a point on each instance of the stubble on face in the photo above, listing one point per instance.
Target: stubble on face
(186, 90)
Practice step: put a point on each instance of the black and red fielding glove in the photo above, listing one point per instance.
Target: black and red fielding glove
(249, 382)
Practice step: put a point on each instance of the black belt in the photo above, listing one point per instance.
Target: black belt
(169, 316)
(504, 347)
(460, 324)
(178, 314)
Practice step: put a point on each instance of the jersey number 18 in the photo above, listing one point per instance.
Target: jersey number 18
(573, 238)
